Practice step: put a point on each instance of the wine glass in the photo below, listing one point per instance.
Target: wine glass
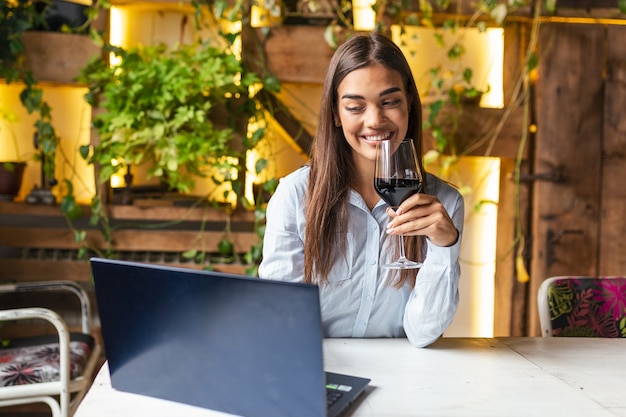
(398, 176)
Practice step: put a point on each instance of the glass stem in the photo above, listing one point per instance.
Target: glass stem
(402, 256)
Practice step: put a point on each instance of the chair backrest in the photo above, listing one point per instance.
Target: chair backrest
(580, 306)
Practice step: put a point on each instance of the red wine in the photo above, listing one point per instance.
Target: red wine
(394, 191)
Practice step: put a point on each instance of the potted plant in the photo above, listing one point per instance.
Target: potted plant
(23, 28)
(157, 106)
(183, 112)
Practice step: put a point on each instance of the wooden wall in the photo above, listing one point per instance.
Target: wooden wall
(578, 221)
(571, 226)
(36, 244)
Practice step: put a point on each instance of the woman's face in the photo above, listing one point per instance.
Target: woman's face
(373, 106)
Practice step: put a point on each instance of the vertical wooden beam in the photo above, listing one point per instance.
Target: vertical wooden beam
(505, 253)
(612, 247)
(569, 141)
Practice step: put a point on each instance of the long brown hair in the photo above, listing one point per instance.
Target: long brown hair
(332, 168)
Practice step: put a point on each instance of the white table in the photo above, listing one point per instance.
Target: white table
(503, 377)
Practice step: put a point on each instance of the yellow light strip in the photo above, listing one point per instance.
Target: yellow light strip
(440, 17)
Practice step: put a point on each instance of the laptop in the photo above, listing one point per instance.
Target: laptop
(241, 345)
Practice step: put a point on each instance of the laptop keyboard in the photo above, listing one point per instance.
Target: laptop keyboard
(335, 392)
(332, 395)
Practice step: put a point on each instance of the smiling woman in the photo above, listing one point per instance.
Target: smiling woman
(327, 225)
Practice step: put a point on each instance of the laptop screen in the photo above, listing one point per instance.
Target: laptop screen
(236, 344)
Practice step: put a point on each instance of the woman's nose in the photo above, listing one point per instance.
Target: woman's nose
(375, 117)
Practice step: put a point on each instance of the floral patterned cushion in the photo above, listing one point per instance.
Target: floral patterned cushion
(32, 360)
(588, 307)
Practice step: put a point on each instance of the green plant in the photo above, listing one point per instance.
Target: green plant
(17, 17)
(157, 105)
(184, 111)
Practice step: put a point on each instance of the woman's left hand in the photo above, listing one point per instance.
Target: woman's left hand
(423, 214)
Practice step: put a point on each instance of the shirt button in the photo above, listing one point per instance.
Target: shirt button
(369, 298)
(362, 322)
(372, 262)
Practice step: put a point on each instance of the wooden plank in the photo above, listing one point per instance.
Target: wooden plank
(569, 116)
(505, 252)
(483, 131)
(135, 212)
(37, 237)
(297, 54)
(125, 240)
(612, 247)
(519, 289)
(178, 241)
(34, 270)
(168, 212)
(9, 207)
(515, 42)
(587, 4)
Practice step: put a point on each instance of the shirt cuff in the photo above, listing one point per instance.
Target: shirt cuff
(447, 255)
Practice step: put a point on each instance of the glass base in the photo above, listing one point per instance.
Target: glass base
(403, 263)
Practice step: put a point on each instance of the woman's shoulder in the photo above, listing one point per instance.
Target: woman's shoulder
(294, 183)
(299, 175)
(297, 178)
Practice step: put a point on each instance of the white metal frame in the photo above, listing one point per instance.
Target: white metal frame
(69, 391)
(544, 307)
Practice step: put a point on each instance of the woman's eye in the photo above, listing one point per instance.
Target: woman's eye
(354, 109)
(391, 103)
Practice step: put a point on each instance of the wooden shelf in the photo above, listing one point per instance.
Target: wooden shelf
(36, 242)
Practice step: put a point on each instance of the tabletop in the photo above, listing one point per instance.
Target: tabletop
(466, 377)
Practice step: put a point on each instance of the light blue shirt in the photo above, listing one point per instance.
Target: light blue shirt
(359, 299)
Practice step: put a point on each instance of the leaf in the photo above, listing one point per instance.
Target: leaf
(80, 236)
(329, 37)
(84, 151)
(260, 165)
(225, 247)
(272, 84)
(499, 13)
(69, 207)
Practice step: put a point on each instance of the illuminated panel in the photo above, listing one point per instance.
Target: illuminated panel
(484, 52)
(480, 175)
(363, 16)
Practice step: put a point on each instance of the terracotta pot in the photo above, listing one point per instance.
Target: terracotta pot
(10, 179)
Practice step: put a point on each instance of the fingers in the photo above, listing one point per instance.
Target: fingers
(423, 216)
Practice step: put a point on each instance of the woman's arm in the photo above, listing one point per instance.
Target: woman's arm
(283, 244)
(434, 299)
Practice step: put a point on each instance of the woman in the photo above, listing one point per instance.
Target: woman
(327, 225)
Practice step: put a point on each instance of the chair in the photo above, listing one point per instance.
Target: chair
(580, 306)
(55, 369)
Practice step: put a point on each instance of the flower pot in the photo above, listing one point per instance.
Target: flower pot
(57, 57)
(10, 179)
